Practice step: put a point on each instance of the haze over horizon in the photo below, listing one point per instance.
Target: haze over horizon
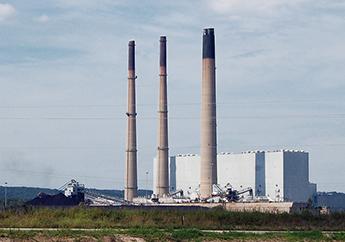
(63, 93)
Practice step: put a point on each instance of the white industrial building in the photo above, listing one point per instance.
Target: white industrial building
(279, 175)
(287, 176)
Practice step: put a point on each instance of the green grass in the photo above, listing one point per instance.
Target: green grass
(80, 217)
(175, 235)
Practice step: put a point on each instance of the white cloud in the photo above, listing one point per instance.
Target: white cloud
(86, 4)
(255, 7)
(43, 18)
(6, 11)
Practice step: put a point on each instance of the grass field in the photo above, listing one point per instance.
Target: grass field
(80, 217)
(168, 225)
(169, 235)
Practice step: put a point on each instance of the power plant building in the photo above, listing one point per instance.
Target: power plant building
(275, 176)
(278, 175)
(287, 176)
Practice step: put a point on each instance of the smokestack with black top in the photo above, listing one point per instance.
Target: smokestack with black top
(162, 187)
(131, 186)
(208, 171)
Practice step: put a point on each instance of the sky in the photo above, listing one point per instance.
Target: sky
(63, 84)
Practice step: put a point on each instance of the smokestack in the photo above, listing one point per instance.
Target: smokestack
(208, 173)
(162, 187)
(131, 152)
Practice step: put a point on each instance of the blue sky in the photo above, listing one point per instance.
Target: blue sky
(280, 84)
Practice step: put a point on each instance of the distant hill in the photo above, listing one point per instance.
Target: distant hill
(24, 193)
(28, 193)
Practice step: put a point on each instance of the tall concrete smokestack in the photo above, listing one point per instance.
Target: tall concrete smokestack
(162, 187)
(208, 173)
(131, 186)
